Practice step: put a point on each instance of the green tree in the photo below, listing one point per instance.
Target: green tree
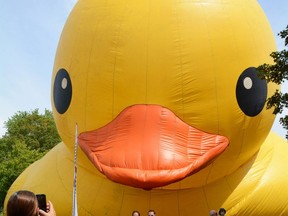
(29, 136)
(36, 130)
(278, 73)
(16, 161)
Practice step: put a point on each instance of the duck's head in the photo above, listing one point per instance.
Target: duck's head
(163, 91)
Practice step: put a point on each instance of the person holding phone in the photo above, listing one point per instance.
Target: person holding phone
(25, 203)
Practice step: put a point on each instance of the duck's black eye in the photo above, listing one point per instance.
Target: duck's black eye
(251, 92)
(62, 91)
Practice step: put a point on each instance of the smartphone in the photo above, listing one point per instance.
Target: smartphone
(41, 198)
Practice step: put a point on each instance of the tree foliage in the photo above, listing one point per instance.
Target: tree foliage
(39, 131)
(278, 73)
(28, 137)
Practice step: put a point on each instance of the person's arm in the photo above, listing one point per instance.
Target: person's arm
(50, 210)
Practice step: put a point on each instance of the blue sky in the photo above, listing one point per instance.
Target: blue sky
(30, 31)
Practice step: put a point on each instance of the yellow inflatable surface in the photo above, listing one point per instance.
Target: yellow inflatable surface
(170, 111)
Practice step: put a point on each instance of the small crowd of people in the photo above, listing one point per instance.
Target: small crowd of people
(25, 203)
(150, 213)
(222, 212)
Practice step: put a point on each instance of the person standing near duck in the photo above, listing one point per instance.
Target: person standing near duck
(213, 213)
(135, 213)
(222, 211)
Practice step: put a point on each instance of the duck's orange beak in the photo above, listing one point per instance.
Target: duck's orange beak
(148, 146)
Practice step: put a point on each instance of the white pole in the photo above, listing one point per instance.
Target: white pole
(75, 207)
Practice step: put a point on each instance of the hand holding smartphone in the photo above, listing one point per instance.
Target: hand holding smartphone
(42, 203)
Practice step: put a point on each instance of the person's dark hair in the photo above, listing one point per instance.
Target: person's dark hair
(222, 210)
(136, 212)
(22, 203)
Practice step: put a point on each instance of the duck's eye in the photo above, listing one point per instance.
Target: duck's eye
(62, 91)
(251, 92)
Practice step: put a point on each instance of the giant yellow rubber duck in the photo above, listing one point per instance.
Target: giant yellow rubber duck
(170, 111)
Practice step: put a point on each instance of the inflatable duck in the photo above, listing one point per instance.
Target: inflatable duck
(170, 111)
